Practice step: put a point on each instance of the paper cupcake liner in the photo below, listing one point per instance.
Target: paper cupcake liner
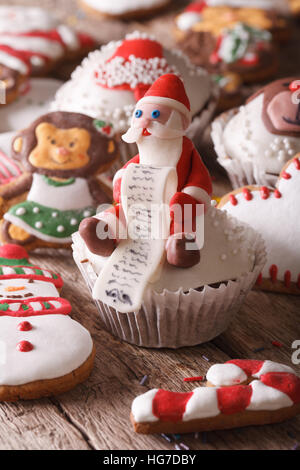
(178, 319)
(240, 173)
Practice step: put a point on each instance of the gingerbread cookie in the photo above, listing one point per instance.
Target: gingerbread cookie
(273, 213)
(61, 155)
(33, 100)
(43, 351)
(235, 46)
(256, 140)
(123, 9)
(238, 393)
(33, 42)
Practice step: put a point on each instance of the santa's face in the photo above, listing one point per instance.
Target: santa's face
(155, 120)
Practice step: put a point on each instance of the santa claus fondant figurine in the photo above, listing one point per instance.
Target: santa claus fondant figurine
(158, 127)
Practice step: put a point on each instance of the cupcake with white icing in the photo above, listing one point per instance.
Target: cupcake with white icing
(123, 9)
(253, 142)
(111, 80)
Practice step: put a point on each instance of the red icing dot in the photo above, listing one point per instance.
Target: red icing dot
(287, 278)
(234, 399)
(297, 163)
(273, 272)
(249, 366)
(286, 175)
(277, 194)
(170, 406)
(294, 86)
(24, 326)
(247, 194)
(285, 382)
(264, 192)
(233, 200)
(24, 346)
(13, 252)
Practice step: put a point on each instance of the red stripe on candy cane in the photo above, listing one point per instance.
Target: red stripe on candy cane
(284, 382)
(170, 406)
(234, 399)
(249, 366)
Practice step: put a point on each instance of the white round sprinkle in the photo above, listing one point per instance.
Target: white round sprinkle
(21, 211)
(87, 213)
(36, 210)
(224, 257)
(73, 222)
(38, 225)
(54, 214)
(60, 228)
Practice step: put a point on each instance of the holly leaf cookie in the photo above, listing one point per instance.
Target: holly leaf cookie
(274, 213)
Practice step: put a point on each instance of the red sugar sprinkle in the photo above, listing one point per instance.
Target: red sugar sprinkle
(264, 192)
(233, 200)
(193, 379)
(247, 194)
(277, 194)
(259, 279)
(297, 163)
(286, 175)
(273, 272)
(277, 344)
(287, 278)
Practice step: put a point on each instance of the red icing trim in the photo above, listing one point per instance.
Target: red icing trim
(64, 309)
(247, 194)
(25, 326)
(286, 175)
(284, 382)
(51, 35)
(57, 282)
(273, 272)
(234, 399)
(297, 163)
(24, 346)
(170, 406)
(24, 56)
(277, 194)
(287, 278)
(233, 200)
(264, 192)
(249, 366)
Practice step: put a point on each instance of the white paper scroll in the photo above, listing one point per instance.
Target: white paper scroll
(145, 194)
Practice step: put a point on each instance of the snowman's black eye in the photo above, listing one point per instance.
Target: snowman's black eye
(71, 144)
(53, 142)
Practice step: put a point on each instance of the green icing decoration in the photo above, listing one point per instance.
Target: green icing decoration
(14, 262)
(58, 184)
(25, 307)
(4, 307)
(38, 272)
(51, 226)
(47, 305)
(54, 276)
(19, 271)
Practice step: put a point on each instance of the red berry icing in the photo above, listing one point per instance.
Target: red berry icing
(249, 366)
(170, 406)
(25, 326)
(285, 382)
(234, 399)
(24, 346)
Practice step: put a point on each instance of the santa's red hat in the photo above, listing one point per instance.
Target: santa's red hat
(169, 90)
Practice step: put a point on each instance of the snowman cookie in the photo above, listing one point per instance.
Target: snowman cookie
(238, 393)
(61, 155)
(273, 213)
(123, 9)
(254, 141)
(43, 351)
(32, 42)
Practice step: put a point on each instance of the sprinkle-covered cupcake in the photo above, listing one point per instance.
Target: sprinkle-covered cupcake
(166, 268)
(254, 141)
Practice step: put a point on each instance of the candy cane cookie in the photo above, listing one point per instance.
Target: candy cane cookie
(43, 351)
(238, 393)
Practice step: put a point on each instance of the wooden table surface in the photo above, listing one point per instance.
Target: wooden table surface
(95, 415)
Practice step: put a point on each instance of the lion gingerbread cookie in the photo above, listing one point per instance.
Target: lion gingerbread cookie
(61, 155)
(238, 393)
(32, 42)
(43, 351)
(254, 141)
(273, 213)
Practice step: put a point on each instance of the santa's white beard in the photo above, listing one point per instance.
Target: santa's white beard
(156, 129)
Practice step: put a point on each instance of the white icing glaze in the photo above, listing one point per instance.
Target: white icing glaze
(37, 288)
(225, 374)
(82, 94)
(21, 19)
(51, 49)
(246, 137)
(270, 366)
(267, 398)
(13, 62)
(142, 407)
(61, 345)
(120, 7)
(282, 231)
(64, 198)
(202, 404)
(32, 104)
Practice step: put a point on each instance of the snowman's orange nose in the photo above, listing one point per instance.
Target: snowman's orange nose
(14, 288)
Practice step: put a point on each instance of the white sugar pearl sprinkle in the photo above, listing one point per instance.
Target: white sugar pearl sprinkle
(54, 214)
(21, 211)
(60, 228)
(73, 222)
(38, 225)
(36, 210)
